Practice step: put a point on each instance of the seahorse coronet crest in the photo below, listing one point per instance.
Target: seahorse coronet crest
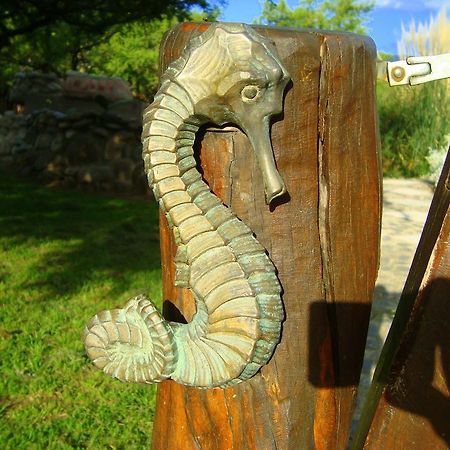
(229, 73)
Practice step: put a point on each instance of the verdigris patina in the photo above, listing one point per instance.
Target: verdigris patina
(228, 74)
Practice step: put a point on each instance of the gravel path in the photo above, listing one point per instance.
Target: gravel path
(405, 207)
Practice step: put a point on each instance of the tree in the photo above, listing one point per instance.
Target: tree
(133, 52)
(348, 15)
(89, 17)
(55, 35)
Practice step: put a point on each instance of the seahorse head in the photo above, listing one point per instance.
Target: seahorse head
(234, 75)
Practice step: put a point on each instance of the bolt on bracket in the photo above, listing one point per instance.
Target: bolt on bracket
(417, 70)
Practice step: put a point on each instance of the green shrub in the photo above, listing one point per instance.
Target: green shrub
(413, 120)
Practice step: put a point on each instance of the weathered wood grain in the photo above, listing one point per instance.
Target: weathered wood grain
(408, 406)
(323, 239)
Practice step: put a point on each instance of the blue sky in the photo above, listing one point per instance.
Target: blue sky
(384, 23)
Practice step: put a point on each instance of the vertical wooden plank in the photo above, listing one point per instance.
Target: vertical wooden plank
(304, 397)
(409, 401)
(349, 270)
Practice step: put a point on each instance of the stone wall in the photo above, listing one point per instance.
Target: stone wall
(32, 91)
(98, 151)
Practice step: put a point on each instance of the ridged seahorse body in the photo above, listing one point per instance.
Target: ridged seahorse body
(228, 74)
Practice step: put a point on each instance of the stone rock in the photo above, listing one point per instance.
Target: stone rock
(118, 145)
(21, 147)
(5, 147)
(95, 149)
(71, 172)
(100, 131)
(57, 165)
(83, 85)
(123, 174)
(25, 162)
(136, 152)
(130, 110)
(44, 141)
(20, 133)
(57, 144)
(93, 175)
(82, 123)
(43, 159)
(139, 179)
(47, 176)
(6, 160)
(84, 148)
(70, 133)
(26, 83)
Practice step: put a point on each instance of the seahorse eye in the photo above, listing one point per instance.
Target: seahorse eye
(250, 93)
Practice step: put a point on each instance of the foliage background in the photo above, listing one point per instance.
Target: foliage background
(348, 15)
(128, 48)
(415, 120)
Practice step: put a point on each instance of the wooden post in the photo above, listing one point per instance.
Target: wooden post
(323, 239)
(408, 406)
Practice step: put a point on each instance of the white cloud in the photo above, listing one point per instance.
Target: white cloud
(437, 4)
(412, 5)
(388, 4)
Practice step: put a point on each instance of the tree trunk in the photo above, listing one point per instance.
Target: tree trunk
(323, 239)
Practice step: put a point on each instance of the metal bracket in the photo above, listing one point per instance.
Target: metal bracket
(418, 69)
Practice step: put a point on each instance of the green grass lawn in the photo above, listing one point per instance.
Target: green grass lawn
(63, 257)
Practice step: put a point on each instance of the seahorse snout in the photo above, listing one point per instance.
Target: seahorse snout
(259, 136)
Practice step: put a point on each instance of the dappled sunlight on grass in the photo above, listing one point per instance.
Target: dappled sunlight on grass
(63, 257)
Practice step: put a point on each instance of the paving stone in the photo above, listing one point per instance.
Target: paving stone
(405, 208)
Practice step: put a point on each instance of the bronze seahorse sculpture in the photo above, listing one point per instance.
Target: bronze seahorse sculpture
(228, 74)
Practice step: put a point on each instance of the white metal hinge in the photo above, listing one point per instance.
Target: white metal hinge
(415, 70)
